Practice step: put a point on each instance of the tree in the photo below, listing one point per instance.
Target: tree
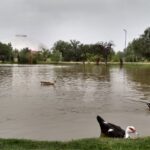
(76, 51)
(104, 49)
(84, 50)
(5, 52)
(64, 48)
(139, 49)
(56, 56)
(145, 42)
(25, 56)
(15, 55)
(107, 50)
(45, 53)
(75, 48)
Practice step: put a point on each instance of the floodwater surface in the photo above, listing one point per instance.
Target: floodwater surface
(68, 110)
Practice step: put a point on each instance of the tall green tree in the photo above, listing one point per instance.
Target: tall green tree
(145, 42)
(15, 55)
(64, 48)
(6, 52)
(139, 49)
(56, 56)
(45, 53)
(25, 56)
(84, 49)
(103, 49)
(75, 49)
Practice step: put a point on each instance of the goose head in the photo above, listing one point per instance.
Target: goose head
(130, 130)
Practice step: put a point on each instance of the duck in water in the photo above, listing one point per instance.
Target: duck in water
(114, 131)
(48, 82)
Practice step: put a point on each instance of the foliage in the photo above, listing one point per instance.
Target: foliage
(5, 52)
(64, 51)
(64, 48)
(104, 49)
(139, 49)
(25, 56)
(45, 54)
(76, 51)
(56, 56)
(116, 57)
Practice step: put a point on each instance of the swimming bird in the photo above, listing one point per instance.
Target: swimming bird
(48, 82)
(112, 130)
(145, 102)
(148, 104)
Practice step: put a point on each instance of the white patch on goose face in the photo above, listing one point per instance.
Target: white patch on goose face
(105, 122)
(110, 130)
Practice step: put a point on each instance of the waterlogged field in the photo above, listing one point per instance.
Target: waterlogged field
(68, 110)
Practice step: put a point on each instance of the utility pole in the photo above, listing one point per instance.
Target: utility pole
(125, 42)
(125, 45)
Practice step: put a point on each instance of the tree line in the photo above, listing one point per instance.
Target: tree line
(61, 51)
(76, 51)
(137, 50)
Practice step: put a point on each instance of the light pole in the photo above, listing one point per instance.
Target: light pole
(125, 42)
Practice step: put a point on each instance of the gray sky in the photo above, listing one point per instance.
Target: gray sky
(89, 21)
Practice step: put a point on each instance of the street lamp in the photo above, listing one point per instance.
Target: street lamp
(125, 31)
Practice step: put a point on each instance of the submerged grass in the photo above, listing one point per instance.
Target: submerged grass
(83, 144)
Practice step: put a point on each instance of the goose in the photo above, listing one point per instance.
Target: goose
(114, 131)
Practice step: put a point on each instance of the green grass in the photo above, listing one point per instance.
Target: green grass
(84, 144)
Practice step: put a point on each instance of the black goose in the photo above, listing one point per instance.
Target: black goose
(111, 130)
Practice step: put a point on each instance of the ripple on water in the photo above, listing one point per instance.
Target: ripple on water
(80, 93)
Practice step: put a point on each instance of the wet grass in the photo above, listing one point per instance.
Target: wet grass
(84, 144)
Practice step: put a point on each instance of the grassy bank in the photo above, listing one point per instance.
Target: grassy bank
(84, 144)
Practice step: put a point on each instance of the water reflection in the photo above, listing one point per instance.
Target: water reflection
(82, 81)
(140, 75)
(29, 110)
(5, 80)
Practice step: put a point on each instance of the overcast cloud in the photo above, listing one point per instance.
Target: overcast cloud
(89, 21)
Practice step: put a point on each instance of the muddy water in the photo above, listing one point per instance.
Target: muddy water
(68, 110)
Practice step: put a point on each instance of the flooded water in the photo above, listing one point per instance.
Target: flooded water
(68, 110)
